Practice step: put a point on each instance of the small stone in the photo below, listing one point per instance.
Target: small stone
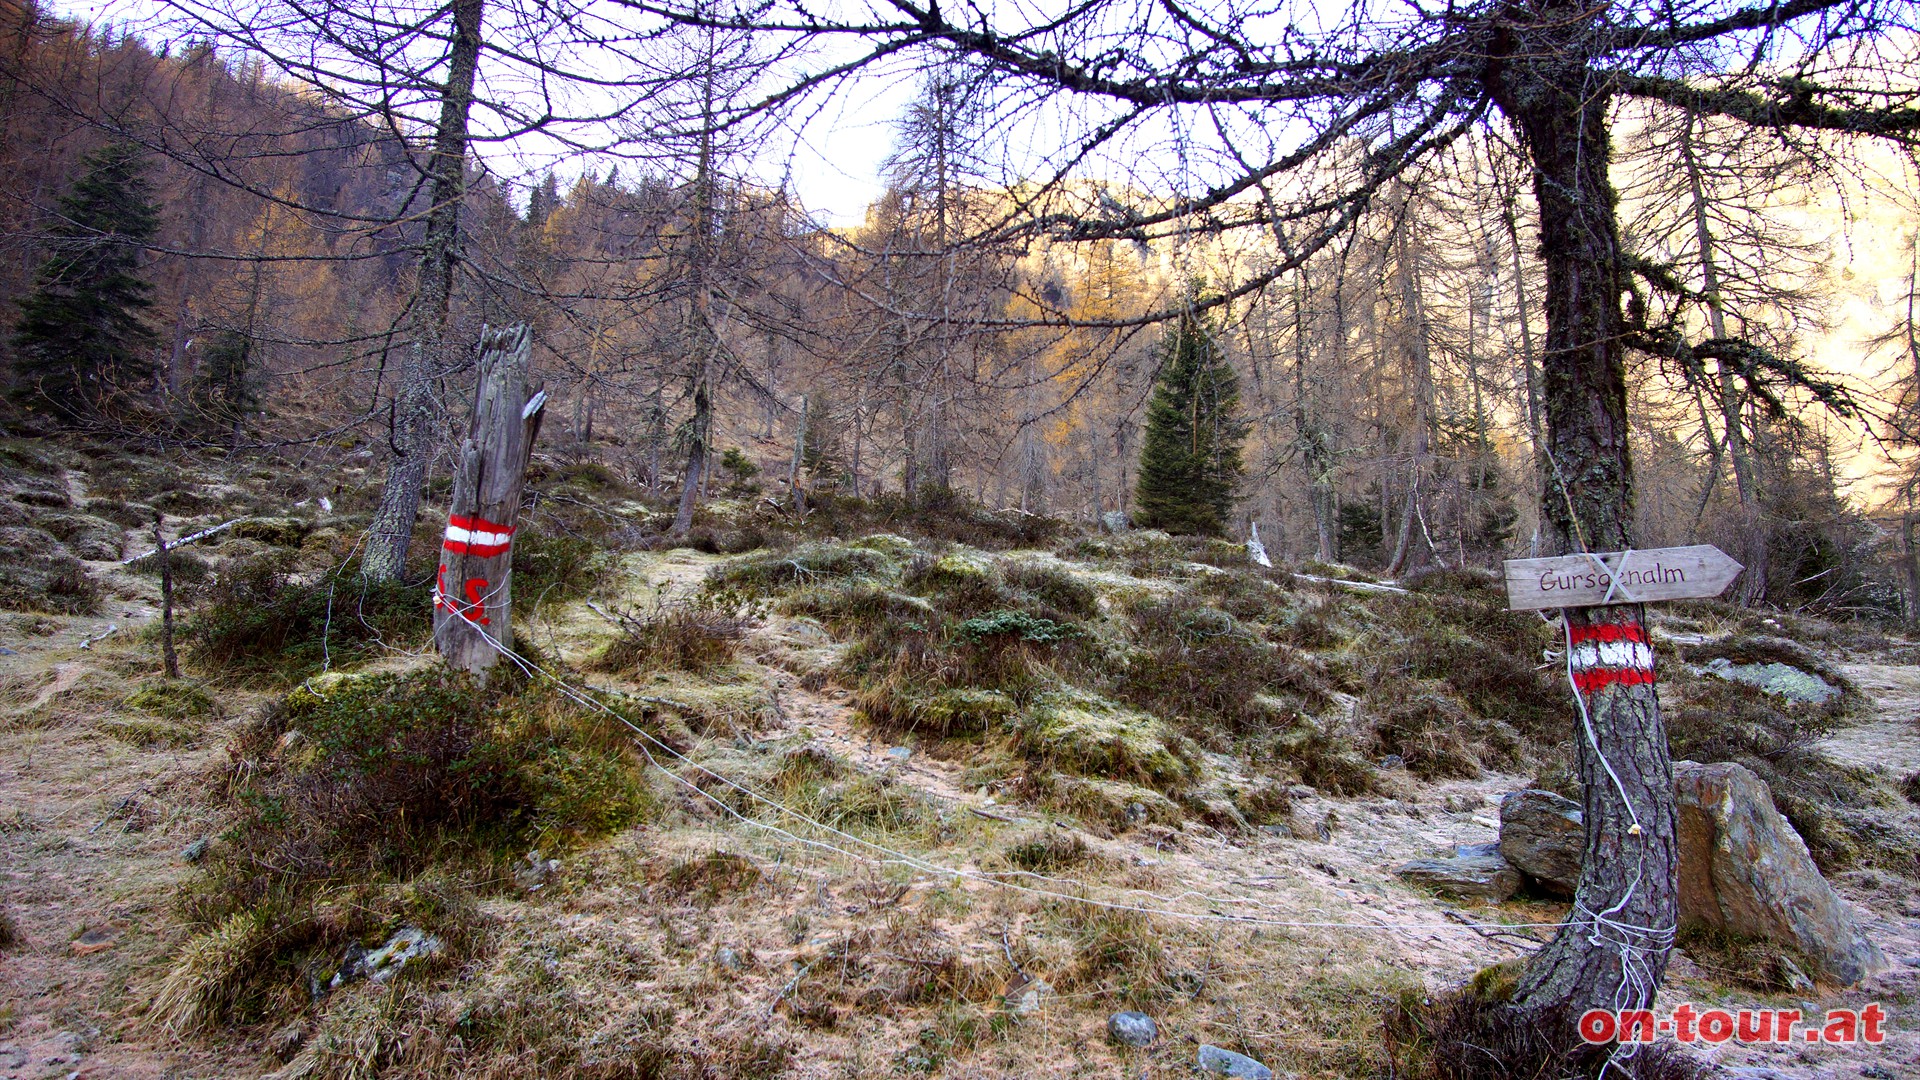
(1791, 974)
(1135, 1029)
(899, 753)
(1026, 994)
(728, 959)
(1475, 851)
(405, 946)
(92, 940)
(1877, 1072)
(1222, 1062)
(4, 651)
(195, 851)
(1393, 761)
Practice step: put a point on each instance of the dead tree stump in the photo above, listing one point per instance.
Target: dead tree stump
(473, 592)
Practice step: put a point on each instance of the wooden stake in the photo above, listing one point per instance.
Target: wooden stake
(472, 594)
(171, 658)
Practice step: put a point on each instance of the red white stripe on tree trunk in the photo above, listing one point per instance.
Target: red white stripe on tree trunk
(1609, 654)
(476, 536)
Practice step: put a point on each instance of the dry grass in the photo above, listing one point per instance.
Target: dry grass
(675, 636)
(212, 972)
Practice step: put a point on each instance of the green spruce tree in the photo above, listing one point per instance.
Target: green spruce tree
(1190, 460)
(81, 341)
(225, 392)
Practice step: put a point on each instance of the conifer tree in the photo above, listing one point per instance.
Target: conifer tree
(226, 392)
(81, 340)
(1190, 459)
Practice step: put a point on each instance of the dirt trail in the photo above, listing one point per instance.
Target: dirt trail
(1888, 739)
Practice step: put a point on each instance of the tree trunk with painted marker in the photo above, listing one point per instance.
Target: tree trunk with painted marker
(1613, 950)
(473, 591)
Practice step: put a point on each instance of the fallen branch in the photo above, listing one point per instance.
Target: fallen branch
(201, 535)
(788, 989)
(101, 636)
(1359, 586)
(1478, 928)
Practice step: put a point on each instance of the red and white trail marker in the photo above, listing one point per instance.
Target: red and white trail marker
(1619, 577)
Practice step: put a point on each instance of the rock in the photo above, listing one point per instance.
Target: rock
(1135, 1029)
(1544, 836)
(1475, 851)
(1486, 876)
(1778, 679)
(1393, 761)
(1791, 974)
(195, 851)
(405, 946)
(728, 959)
(1026, 994)
(1221, 1062)
(1115, 522)
(92, 940)
(900, 753)
(1743, 869)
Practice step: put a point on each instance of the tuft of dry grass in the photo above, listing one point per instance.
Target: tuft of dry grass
(212, 972)
(679, 636)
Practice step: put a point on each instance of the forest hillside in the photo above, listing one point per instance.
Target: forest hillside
(491, 585)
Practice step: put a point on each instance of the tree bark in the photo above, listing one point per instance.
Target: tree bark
(391, 530)
(473, 590)
(1613, 950)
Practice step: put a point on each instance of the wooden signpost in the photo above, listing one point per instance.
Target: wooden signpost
(473, 591)
(1619, 577)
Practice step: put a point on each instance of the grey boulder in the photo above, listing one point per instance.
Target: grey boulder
(1544, 836)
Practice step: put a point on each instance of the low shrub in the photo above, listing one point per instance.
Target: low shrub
(383, 774)
(552, 566)
(1054, 587)
(260, 622)
(1433, 734)
(678, 636)
(808, 564)
(1204, 667)
(1046, 852)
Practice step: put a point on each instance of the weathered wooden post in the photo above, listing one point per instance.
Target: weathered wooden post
(473, 594)
(167, 653)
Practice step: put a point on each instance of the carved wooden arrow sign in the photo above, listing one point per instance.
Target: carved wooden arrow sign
(1619, 577)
